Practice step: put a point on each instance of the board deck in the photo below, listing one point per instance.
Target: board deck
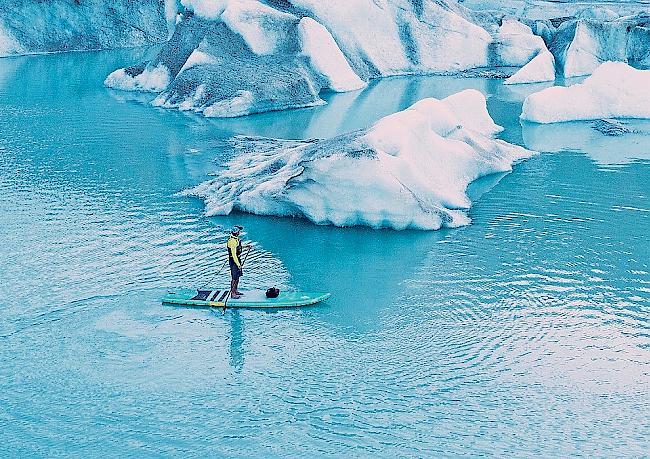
(250, 299)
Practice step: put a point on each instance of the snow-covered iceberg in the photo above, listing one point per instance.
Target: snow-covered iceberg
(540, 69)
(411, 169)
(64, 25)
(614, 90)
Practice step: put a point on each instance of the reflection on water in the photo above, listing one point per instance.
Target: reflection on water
(605, 150)
(523, 334)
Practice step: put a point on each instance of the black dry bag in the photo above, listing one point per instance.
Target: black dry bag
(272, 292)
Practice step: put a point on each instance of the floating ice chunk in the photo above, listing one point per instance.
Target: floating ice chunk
(326, 58)
(264, 29)
(150, 80)
(409, 170)
(515, 44)
(208, 9)
(538, 70)
(615, 90)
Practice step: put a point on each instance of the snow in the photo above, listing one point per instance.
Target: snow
(171, 15)
(326, 58)
(538, 70)
(390, 37)
(264, 29)
(240, 103)
(597, 14)
(150, 80)
(515, 44)
(411, 169)
(208, 9)
(615, 90)
(198, 57)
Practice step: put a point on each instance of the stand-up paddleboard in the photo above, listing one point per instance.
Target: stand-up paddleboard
(217, 298)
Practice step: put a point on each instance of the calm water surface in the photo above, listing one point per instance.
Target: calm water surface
(525, 334)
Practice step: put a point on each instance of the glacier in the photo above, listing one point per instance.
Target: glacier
(411, 169)
(614, 90)
(580, 46)
(283, 54)
(29, 27)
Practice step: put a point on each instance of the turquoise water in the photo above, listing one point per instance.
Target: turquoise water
(523, 335)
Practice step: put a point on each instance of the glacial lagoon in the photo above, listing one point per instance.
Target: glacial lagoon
(523, 334)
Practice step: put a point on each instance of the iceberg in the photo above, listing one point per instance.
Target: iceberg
(411, 169)
(540, 69)
(614, 90)
(515, 44)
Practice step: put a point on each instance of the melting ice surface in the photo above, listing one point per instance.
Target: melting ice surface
(409, 170)
(524, 334)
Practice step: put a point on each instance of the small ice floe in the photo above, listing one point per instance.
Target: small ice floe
(615, 90)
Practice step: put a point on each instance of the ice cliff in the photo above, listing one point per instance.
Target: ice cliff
(411, 169)
(235, 57)
(28, 27)
(581, 45)
(615, 90)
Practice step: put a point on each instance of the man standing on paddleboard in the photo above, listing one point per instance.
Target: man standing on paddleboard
(234, 257)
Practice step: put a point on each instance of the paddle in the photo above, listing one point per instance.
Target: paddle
(225, 301)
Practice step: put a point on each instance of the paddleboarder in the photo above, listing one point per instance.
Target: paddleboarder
(234, 257)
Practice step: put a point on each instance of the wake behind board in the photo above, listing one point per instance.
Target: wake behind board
(250, 299)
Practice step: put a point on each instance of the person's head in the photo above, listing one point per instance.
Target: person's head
(236, 230)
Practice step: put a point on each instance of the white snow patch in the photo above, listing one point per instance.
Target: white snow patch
(264, 29)
(409, 170)
(198, 57)
(239, 104)
(150, 80)
(326, 58)
(538, 70)
(615, 90)
(208, 9)
(171, 14)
